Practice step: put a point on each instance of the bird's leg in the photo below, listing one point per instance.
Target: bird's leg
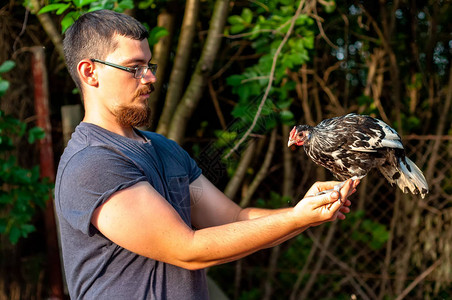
(338, 186)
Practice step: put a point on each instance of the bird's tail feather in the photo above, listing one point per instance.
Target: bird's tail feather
(407, 176)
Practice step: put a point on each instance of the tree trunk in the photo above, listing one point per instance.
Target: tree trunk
(161, 53)
(49, 27)
(179, 70)
(198, 81)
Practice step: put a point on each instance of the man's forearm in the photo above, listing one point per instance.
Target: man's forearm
(253, 212)
(229, 242)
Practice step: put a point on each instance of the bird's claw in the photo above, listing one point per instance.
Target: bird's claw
(336, 188)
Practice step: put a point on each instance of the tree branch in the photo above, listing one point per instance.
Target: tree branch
(234, 184)
(262, 171)
(419, 279)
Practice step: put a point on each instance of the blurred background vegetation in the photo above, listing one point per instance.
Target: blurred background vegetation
(233, 78)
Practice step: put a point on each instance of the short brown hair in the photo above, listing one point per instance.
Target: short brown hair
(91, 36)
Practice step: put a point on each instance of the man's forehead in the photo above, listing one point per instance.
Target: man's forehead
(130, 51)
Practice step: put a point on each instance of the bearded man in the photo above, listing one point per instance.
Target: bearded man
(137, 218)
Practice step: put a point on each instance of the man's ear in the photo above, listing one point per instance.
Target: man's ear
(87, 72)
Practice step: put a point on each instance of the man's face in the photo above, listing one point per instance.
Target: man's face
(123, 96)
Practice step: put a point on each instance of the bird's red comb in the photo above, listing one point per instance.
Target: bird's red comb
(293, 133)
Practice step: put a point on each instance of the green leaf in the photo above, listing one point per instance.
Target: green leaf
(146, 4)
(68, 20)
(51, 7)
(95, 8)
(63, 9)
(77, 3)
(247, 15)
(329, 6)
(7, 66)
(235, 20)
(236, 28)
(26, 229)
(35, 133)
(14, 235)
(86, 2)
(234, 80)
(4, 85)
(256, 32)
(156, 34)
(286, 116)
(123, 5)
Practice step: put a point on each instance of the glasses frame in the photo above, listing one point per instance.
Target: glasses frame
(150, 66)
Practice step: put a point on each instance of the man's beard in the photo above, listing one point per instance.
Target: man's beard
(135, 116)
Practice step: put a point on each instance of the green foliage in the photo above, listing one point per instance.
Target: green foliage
(75, 8)
(370, 233)
(275, 201)
(265, 27)
(22, 190)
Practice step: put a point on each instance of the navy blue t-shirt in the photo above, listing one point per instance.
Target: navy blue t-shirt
(96, 164)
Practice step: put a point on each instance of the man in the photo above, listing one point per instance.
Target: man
(137, 218)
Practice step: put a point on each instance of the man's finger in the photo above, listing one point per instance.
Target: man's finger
(327, 185)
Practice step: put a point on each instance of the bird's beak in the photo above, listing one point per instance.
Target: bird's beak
(292, 137)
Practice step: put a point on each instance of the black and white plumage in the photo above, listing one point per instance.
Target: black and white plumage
(352, 145)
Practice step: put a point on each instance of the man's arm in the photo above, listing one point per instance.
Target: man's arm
(141, 220)
(211, 207)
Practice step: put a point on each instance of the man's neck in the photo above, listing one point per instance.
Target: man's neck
(126, 131)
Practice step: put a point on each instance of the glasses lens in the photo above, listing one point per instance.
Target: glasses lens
(140, 72)
(153, 68)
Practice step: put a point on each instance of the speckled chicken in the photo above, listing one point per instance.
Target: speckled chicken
(350, 146)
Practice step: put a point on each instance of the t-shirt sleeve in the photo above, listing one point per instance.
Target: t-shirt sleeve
(89, 178)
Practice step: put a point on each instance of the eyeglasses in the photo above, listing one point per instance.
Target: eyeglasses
(138, 72)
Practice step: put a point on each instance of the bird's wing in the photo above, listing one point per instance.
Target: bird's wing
(372, 134)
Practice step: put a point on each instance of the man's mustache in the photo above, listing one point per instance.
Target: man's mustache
(145, 90)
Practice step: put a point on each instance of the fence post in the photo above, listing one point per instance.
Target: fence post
(41, 98)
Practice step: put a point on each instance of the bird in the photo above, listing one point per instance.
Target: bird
(350, 146)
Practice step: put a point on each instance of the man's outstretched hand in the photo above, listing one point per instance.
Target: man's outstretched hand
(317, 209)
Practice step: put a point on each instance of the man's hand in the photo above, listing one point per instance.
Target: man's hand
(326, 207)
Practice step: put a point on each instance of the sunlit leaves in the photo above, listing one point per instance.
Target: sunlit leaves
(75, 8)
(266, 27)
(156, 34)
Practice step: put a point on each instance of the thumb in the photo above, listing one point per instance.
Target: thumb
(331, 200)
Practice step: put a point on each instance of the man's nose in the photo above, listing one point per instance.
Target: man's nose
(149, 77)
